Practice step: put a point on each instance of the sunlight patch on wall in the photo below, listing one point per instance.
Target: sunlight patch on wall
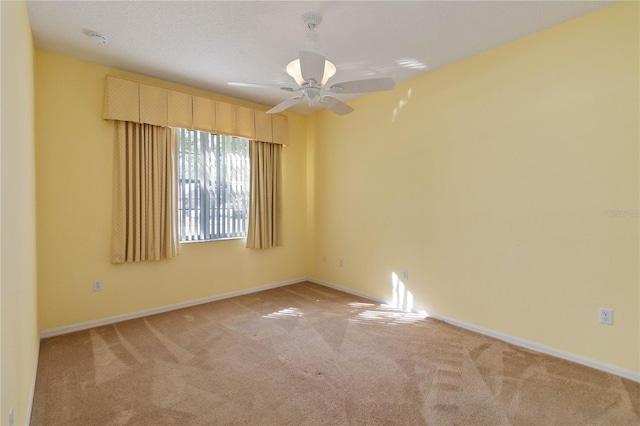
(401, 105)
(402, 297)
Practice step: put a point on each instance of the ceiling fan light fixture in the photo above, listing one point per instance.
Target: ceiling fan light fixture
(329, 71)
(293, 69)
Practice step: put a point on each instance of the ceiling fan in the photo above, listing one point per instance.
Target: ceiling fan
(311, 71)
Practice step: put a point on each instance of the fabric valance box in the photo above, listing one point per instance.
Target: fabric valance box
(128, 100)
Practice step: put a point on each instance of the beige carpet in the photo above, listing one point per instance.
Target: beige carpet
(308, 355)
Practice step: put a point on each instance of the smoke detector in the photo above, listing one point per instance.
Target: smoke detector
(99, 38)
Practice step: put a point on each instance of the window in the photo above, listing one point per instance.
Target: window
(213, 186)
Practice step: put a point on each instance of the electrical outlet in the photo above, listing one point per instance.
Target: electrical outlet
(606, 316)
(405, 275)
(11, 419)
(324, 258)
(97, 285)
(341, 262)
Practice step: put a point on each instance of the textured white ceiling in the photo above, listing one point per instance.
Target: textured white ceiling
(205, 44)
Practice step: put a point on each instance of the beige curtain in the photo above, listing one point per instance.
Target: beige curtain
(265, 203)
(145, 213)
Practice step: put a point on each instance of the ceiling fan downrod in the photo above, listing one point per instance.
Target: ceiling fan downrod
(311, 20)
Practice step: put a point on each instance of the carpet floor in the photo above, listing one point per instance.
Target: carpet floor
(305, 354)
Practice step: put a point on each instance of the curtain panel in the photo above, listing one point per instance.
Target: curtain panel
(145, 213)
(265, 202)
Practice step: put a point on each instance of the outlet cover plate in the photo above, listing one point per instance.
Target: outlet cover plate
(606, 316)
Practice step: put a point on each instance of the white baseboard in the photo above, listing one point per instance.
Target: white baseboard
(32, 391)
(350, 291)
(612, 369)
(139, 314)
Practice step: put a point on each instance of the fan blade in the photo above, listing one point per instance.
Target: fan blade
(259, 86)
(335, 105)
(284, 105)
(311, 66)
(361, 86)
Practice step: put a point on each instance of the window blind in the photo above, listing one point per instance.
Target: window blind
(213, 190)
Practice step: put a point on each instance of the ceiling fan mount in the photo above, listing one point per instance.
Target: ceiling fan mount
(311, 71)
(312, 19)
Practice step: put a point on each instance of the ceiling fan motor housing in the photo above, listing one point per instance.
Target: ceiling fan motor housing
(312, 94)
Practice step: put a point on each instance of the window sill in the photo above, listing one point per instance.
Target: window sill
(212, 241)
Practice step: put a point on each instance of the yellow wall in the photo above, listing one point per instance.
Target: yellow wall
(74, 160)
(20, 340)
(489, 179)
